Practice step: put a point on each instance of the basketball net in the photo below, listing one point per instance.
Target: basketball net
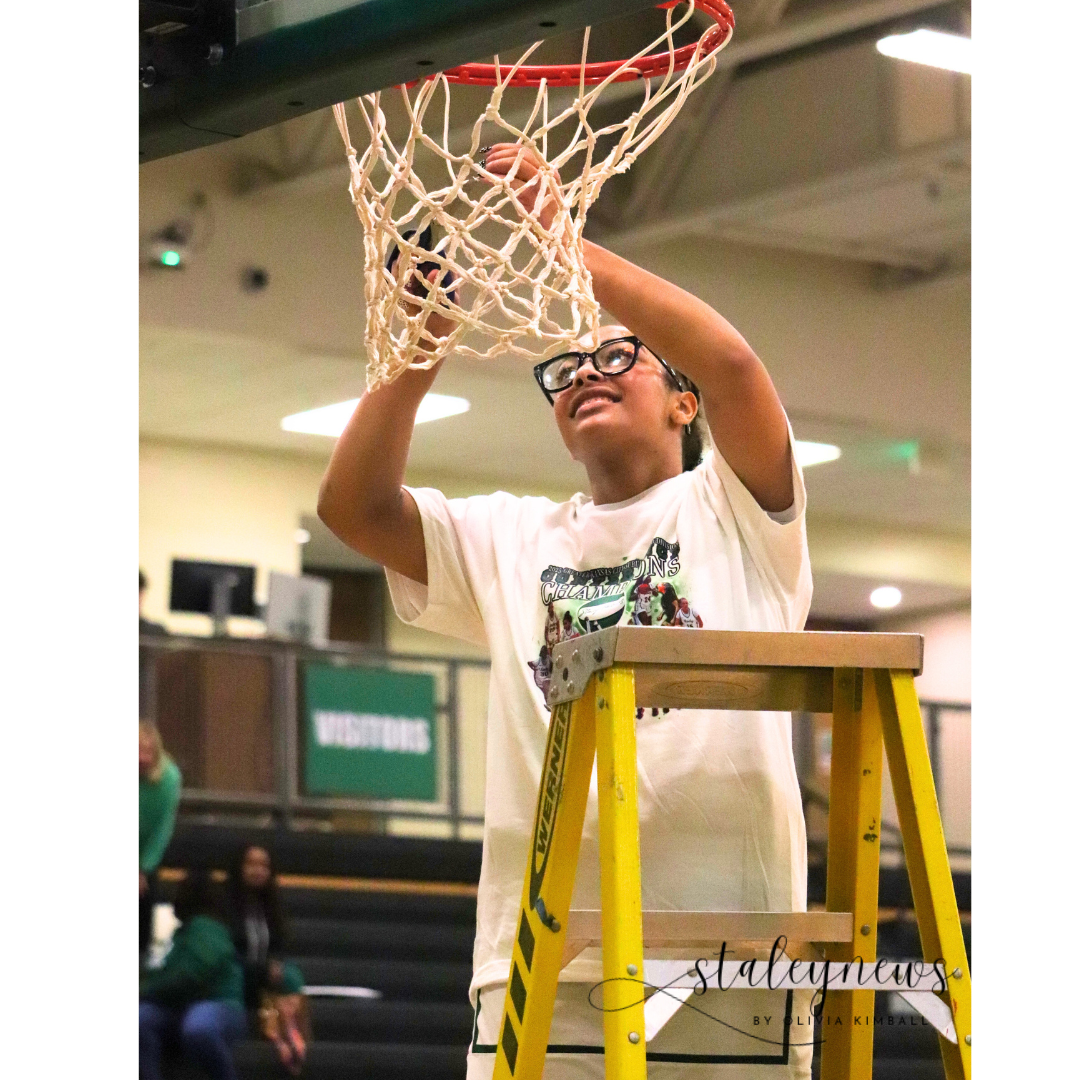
(506, 283)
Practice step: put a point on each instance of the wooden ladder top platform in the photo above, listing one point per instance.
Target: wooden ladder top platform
(759, 648)
(728, 669)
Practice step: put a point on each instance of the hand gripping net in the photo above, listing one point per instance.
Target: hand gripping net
(504, 282)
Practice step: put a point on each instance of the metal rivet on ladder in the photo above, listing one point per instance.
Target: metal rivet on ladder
(575, 656)
(865, 930)
(570, 687)
(631, 969)
(957, 973)
(634, 1037)
(967, 1040)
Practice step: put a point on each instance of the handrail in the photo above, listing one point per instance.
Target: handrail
(271, 645)
(816, 798)
(287, 800)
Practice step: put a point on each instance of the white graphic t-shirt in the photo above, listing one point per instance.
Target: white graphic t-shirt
(721, 821)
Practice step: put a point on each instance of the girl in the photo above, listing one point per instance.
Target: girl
(159, 798)
(721, 825)
(272, 985)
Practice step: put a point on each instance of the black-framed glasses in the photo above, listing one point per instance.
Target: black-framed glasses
(615, 357)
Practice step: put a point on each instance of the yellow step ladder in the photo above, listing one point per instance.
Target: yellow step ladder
(598, 682)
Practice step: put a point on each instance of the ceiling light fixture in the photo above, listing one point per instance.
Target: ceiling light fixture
(887, 596)
(949, 51)
(330, 420)
(815, 453)
(439, 406)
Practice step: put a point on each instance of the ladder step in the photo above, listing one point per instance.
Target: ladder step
(707, 929)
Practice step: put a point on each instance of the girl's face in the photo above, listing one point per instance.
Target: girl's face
(255, 870)
(148, 753)
(632, 411)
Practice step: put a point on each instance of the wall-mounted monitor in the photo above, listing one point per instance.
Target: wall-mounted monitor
(215, 589)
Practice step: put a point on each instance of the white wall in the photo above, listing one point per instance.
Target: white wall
(234, 504)
(244, 505)
(947, 653)
(221, 504)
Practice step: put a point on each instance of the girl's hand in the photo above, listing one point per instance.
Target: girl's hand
(532, 186)
(438, 326)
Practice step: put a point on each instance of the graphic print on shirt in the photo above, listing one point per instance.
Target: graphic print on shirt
(648, 591)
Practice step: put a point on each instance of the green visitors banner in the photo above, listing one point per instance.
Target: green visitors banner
(370, 733)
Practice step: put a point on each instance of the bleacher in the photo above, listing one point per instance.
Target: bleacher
(398, 916)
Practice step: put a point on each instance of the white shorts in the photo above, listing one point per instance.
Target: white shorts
(721, 1034)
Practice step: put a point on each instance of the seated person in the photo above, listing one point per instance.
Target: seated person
(272, 985)
(196, 999)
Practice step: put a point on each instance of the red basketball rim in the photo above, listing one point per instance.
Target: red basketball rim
(658, 64)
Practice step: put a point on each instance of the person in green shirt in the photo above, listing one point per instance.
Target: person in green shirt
(159, 797)
(196, 999)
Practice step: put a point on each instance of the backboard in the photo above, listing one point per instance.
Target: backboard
(211, 70)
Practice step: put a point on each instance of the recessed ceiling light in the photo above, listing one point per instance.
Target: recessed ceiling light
(931, 47)
(328, 420)
(886, 597)
(331, 419)
(815, 453)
